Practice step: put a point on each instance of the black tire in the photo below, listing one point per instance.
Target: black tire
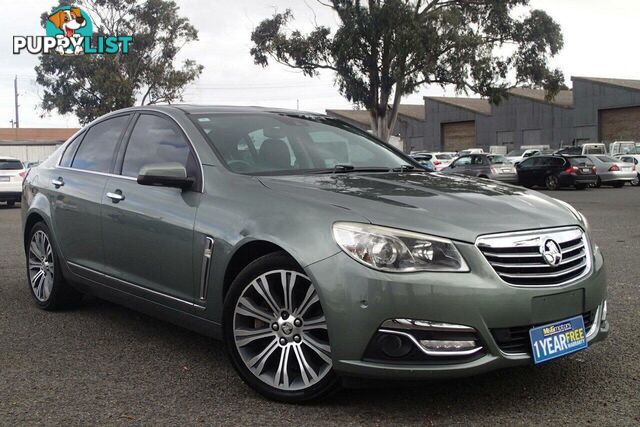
(62, 295)
(598, 183)
(618, 184)
(275, 261)
(11, 203)
(552, 183)
(581, 186)
(636, 181)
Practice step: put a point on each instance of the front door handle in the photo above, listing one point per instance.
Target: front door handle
(116, 196)
(58, 182)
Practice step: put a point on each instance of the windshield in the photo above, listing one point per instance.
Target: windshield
(255, 143)
(515, 153)
(7, 164)
(498, 160)
(580, 161)
(594, 149)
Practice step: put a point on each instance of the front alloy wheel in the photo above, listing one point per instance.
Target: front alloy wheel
(278, 337)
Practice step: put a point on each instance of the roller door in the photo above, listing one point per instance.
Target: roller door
(620, 124)
(458, 136)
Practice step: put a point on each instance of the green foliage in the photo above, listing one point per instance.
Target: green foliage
(92, 85)
(384, 49)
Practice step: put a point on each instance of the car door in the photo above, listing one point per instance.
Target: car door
(76, 185)
(476, 167)
(461, 165)
(526, 171)
(147, 230)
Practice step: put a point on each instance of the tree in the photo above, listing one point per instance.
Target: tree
(385, 49)
(91, 85)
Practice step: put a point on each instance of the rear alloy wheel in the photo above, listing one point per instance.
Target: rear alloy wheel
(276, 331)
(47, 285)
(552, 183)
(598, 183)
(636, 181)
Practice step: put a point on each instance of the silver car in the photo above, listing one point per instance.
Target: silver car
(612, 171)
(491, 166)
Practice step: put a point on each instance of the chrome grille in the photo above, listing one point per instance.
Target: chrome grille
(517, 257)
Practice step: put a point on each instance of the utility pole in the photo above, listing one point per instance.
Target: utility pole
(15, 90)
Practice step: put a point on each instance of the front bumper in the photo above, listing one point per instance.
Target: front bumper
(358, 300)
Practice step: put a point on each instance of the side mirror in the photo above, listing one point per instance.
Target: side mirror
(171, 174)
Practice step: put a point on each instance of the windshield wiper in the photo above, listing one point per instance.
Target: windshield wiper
(403, 168)
(341, 168)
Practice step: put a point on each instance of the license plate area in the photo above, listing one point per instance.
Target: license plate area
(558, 339)
(5, 178)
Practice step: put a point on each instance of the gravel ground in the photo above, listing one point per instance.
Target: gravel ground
(104, 364)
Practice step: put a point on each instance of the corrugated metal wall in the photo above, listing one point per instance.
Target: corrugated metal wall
(28, 153)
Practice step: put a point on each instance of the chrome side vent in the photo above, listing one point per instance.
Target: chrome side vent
(206, 267)
(550, 257)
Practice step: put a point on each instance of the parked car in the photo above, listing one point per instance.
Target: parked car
(612, 171)
(12, 172)
(624, 148)
(485, 166)
(518, 155)
(591, 148)
(634, 160)
(555, 172)
(470, 151)
(425, 161)
(439, 160)
(309, 247)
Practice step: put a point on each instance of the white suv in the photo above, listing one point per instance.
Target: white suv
(12, 173)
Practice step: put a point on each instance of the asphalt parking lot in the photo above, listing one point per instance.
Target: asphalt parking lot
(104, 364)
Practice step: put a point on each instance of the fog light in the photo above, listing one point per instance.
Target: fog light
(448, 345)
(394, 345)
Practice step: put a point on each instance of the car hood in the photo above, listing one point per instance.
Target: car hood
(446, 205)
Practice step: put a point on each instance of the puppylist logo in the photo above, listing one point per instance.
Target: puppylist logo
(69, 31)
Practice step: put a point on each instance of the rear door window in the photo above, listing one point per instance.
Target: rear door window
(10, 165)
(67, 157)
(98, 147)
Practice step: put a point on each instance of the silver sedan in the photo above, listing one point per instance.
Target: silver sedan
(612, 171)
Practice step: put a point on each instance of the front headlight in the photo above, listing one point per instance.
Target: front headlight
(397, 251)
(575, 213)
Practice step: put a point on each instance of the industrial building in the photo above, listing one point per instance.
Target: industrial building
(594, 110)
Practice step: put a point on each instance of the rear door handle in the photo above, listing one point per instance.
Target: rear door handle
(116, 196)
(58, 182)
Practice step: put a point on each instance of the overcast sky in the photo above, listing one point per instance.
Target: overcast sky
(600, 41)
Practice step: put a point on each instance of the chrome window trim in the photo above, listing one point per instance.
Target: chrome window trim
(537, 233)
(132, 112)
(111, 175)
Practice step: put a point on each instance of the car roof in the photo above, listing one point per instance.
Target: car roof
(203, 109)
(8, 158)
